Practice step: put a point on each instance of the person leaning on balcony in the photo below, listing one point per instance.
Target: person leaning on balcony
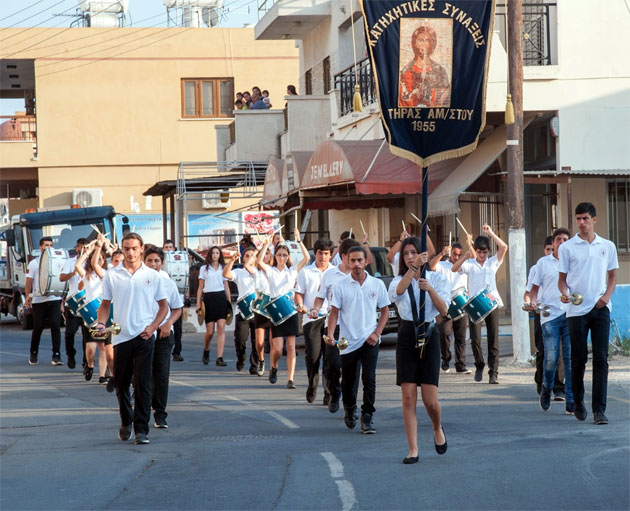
(257, 102)
(247, 99)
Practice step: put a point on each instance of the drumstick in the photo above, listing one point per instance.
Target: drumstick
(421, 222)
(404, 226)
(462, 226)
(350, 233)
(450, 241)
(362, 228)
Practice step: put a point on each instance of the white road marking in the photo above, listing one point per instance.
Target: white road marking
(346, 490)
(14, 354)
(289, 424)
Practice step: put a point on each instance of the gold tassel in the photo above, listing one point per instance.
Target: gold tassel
(509, 110)
(357, 102)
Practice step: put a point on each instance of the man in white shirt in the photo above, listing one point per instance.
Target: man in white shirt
(307, 285)
(588, 266)
(450, 326)
(44, 308)
(154, 258)
(354, 302)
(482, 274)
(554, 325)
(73, 323)
(133, 288)
(169, 246)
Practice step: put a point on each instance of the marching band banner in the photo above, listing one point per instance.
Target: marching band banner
(430, 62)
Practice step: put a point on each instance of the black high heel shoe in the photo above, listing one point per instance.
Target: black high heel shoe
(441, 449)
(410, 459)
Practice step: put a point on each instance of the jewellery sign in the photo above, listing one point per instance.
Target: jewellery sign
(430, 61)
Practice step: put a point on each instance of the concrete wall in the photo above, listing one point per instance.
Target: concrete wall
(257, 135)
(306, 136)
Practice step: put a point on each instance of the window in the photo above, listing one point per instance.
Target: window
(207, 97)
(619, 213)
(327, 86)
(308, 82)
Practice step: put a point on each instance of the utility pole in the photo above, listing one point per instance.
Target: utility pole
(516, 231)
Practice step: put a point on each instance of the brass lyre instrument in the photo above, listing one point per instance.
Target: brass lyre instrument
(114, 329)
(341, 343)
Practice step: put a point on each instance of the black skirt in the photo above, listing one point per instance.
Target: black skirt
(216, 306)
(289, 327)
(410, 368)
(261, 321)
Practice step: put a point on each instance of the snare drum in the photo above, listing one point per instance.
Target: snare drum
(75, 302)
(89, 313)
(459, 297)
(480, 305)
(51, 265)
(281, 308)
(260, 302)
(178, 268)
(245, 306)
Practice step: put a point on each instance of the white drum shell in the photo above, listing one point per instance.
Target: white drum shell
(51, 265)
(177, 266)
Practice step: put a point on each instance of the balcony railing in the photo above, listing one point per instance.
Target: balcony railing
(538, 37)
(346, 80)
(18, 128)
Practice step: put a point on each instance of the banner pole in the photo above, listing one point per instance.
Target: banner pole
(423, 245)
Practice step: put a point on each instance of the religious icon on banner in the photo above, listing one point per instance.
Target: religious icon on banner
(426, 54)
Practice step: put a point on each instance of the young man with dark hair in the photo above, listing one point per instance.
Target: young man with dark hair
(482, 274)
(73, 323)
(44, 308)
(355, 301)
(133, 289)
(307, 286)
(588, 266)
(169, 246)
(555, 329)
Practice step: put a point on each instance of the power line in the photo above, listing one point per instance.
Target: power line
(36, 14)
(37, 25)
(21, 10)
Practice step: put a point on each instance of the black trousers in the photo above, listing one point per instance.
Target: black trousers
(458, 328)
(558, 381)
(331, 371)
(598, 322)
(314, 350)
(73, 324)
(492, 328)
(134, 358)
(161, 373)
(50, 311)
(177, 337)
(242, 330)
(363, 362)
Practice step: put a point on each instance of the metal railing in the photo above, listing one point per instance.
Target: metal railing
(264, 6)
(538, 40)
(346, 80)
(18, 128)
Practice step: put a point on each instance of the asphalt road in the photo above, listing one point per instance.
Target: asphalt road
(236, 442)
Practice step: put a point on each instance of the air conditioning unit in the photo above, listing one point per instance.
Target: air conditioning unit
(215, 200)
(87, 197)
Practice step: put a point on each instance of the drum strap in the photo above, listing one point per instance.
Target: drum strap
(416, 320)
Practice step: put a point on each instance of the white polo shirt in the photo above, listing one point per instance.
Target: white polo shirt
(32, 272)
(73, 283)
(546, 278)
(336, 260)
(403, 303)
(530, 278)
(481, 277)
(93, 286)
(213, 280)
(245, 282)
(133, 298)
(281, 282)
(329, 279)
(455, 279)
(308, 283)
(172, 296)
(357, 304)
(587, 266)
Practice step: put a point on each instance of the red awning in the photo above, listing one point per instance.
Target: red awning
(273, 191)
(369, 166)
(295, 165)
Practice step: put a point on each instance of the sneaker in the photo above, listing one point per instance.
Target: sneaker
(273, 375)
(253, 370)
(102, 380)
(110, 385)
(367, 427)
(580, 411)
(32, 360)
(559, 396)
(205, 358)
(545, 400)
(445, 367)
(141, 438)
(260, 370)
(88, 372)
(56, 360)
(124, 433)
(600, 418)
(220, 362)
(349, 418)
(479, 373)
(72, 363)
(570, 408)
(177, 357)
(290, 384)
(160, 424)
(463, 370)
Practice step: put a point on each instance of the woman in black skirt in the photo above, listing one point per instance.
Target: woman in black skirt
(412, 370)
(213, 289)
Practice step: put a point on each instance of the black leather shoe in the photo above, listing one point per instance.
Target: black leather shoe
(72, 363)
(177, 357)
(273, 375)
(88, 372)
(441, 449)
(410, 460)
(239, 365)
(545, 399)
(349, 419)
(600, 418)
(479, 373)
(220, 362)
(205, 358)
(290, 385)
(580, 411)
(310, 394)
